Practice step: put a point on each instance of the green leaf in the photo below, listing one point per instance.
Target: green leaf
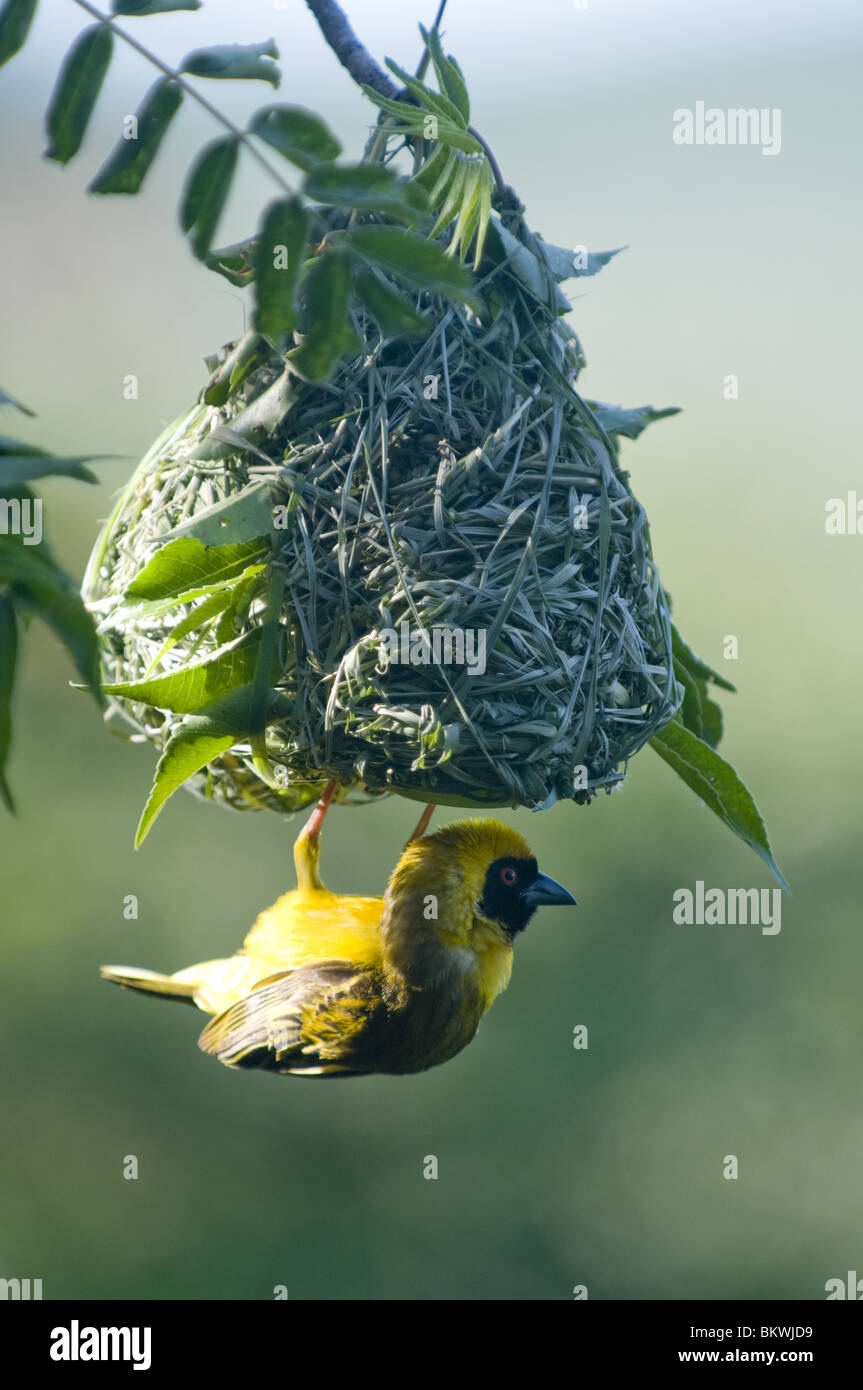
(699, 712)
(436, 173)
(198, 740)
(235, 60)
(459, 187)
(279, 258)
(533, 272)
(8, 654)
(329, 333)
(6, 399)
(418, 262)
(448, 73)
(712, 718)
(127, 165)
(16, 17)
(48, 593)
(76, 91)
(718, 785)
(468, 217)
(214, 606)
(182, 568)
(144, 609)
(265, 412)
(413, 121)
(193, 744)
(565, 262)
(614, 419)
(366, 187)
(435, 102)
(206, 192)
(683, 652)
(485, 196)
(140, 8)
(692, 709)
(22, 448)
(247, 588)
(250, 352)
(235, 262)
(25, 468)
(454, 194)
(190, 687)
(298, 134)
(58, 604)
(8, 445)
(246, 516)
(394, 313)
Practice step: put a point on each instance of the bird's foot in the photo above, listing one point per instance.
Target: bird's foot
(423, 823)
(307, 846)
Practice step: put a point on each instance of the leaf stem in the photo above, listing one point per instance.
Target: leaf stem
(241, 136)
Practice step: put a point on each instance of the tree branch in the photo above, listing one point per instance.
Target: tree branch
(352, 55)
(333, 24)
(176, 77)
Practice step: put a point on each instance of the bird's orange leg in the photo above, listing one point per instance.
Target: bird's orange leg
(307, 846)
(423, 822)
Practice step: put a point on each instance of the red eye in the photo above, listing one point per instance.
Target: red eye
(508, 876)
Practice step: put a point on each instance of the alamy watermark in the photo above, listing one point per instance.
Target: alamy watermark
(850, 1288)
(76, 1343)
(21, 516)
(20, 1289)
(710, 125)
(441, 646)
(718, 907)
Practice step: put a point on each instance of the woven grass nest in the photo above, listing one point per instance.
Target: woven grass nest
(456, 482)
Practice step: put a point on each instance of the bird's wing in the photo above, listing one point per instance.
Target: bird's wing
(307, 1021)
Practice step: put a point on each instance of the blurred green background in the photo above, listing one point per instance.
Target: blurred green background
(557, 1167)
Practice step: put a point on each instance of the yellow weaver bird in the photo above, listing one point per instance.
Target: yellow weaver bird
(329, 985)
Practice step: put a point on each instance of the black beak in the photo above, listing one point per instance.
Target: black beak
(544, 892)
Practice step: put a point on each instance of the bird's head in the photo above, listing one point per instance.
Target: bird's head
(472, 875)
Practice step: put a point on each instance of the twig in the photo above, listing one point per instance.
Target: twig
(240, 135)
(354, 56)
(333, 24)
(502, 185)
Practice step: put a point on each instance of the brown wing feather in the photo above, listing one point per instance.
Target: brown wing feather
(305, 1021)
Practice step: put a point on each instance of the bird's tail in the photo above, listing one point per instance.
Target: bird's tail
(150, 982)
